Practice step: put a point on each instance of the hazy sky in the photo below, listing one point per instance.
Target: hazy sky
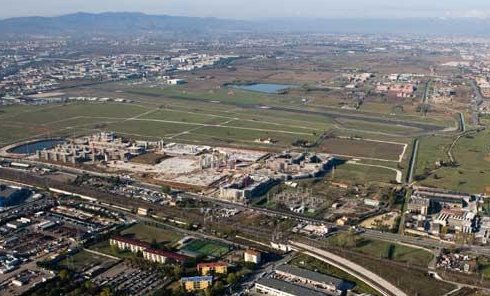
(249, 9)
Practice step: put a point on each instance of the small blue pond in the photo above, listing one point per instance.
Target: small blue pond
(31, 148)
(268, 88)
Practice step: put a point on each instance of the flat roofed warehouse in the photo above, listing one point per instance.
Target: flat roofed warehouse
(11, 196)
(311, 277)
(277, 287)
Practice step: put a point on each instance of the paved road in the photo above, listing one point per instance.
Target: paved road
(462, 123)
(413, 161)
(370, 278)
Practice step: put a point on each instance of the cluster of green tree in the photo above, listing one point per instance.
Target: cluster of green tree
(347, 240)
(166, 270)
(68, 283)
(217, 289)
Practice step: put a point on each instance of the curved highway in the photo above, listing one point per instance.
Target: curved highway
(373, 280)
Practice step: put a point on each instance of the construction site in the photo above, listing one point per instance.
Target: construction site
(231, 174)
(104, 146)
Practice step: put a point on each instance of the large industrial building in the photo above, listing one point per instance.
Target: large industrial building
(245, 188)
(289, 280)
(275, 287)
(333, 285)
(11, 196)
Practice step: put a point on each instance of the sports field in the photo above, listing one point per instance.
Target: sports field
(207, 248)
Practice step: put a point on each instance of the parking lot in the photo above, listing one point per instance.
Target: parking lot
(130, 281)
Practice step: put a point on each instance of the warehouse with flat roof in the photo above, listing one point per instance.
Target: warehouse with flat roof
(319, 280)
(275, 287)
(11, 196)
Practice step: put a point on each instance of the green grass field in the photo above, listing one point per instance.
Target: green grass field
(388, 129)
(390, 251)
(484, 267)
(83, 260)
(472, 154)
(149, 234)
(169, 111)
(357, 174)
(138, 122)
(394, 252)
(186, 116)
(60, 120)
(432, 149)
(411, 281)
(235, 96)
(207, 248)
(210, 117)
(364, 148)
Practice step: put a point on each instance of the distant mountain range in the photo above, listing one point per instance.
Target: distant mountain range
(112, 23)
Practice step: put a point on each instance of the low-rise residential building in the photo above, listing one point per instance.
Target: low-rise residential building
(132, 245)
(164, 257)
(253, 256)
(212, 268)
(150, 254)
(196, 283)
